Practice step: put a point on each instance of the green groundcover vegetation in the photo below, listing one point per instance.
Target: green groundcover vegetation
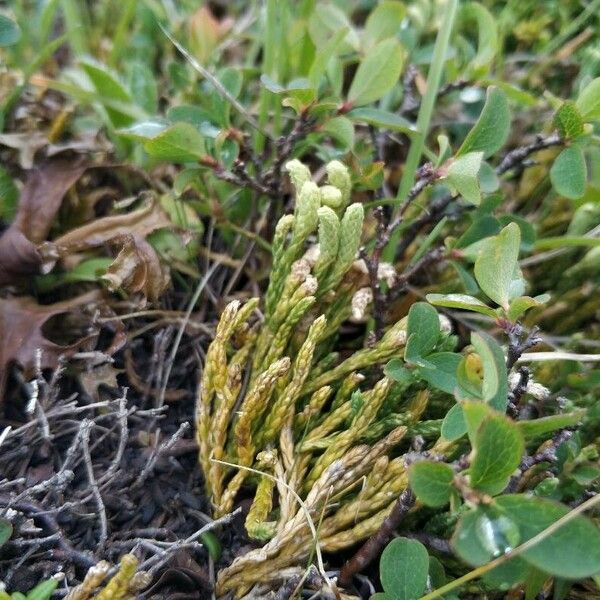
(299, 299)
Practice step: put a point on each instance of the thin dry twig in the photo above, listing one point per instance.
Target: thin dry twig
(85, 443)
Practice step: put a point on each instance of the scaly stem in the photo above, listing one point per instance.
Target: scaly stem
(424, 117)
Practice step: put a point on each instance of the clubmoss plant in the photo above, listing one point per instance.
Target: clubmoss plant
(123, 585)
(296, 432)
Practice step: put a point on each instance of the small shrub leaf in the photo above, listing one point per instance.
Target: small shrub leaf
(588, 101)
(423, 331)
(495, 383)
(181, 142)
(578, 539)
(569, 173)
(378, 72)
(463, 301)
(404, 567)
(498, 450)
(384, 21)
(463, 175)
(568, 120)
(497, 263)
(440, 371)
(431, 482)
(10, 32)
(454, 425)
(491, 130)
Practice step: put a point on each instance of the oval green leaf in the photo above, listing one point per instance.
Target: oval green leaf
(431, 482)
(578, 539)
(423, 331)
(463, 174)
(497, 451)
(495, 378)
(10, 32)
(378, 73)
(588, 102)
(463, 301)
(491, 130)
(569, 173)
(404, 567)
(497, 263)
(181, 142)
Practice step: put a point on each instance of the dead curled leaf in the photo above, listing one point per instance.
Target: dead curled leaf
(141, 223)
(137, 269)
(22, 248)
(21, 323)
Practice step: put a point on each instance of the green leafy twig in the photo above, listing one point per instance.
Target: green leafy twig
(479, 571)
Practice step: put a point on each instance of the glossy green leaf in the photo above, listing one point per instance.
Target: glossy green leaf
(143, 87)
(508, 574)
(454, 425)
(497, 452)
(377, 73)
(145, 130)
(483, 534)
(342, 130)
(487, 44)
(381, 118)
(404, 567)
(492, 128)
(528, 233)
(569, 173)
(423, 331)
(431, 482)
(482, 227)
(496, 265)
(108, 85)
(325, 54)
(588, 101)
(384, 21)
(440, 371)
(463, 175)
(10, 32)
(568, 120)
(462, 301)
(396, 370)
(179, 143)
(325, 21)
(489, 182)
(495, 379)
(578, 539)
(519, 306)
(475, 413)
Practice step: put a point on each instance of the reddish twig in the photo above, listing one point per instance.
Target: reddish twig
(372, 548)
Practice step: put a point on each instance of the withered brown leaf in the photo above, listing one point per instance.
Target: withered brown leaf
(140, 222)
(22, 251)
(137, 269)
(21, 323)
